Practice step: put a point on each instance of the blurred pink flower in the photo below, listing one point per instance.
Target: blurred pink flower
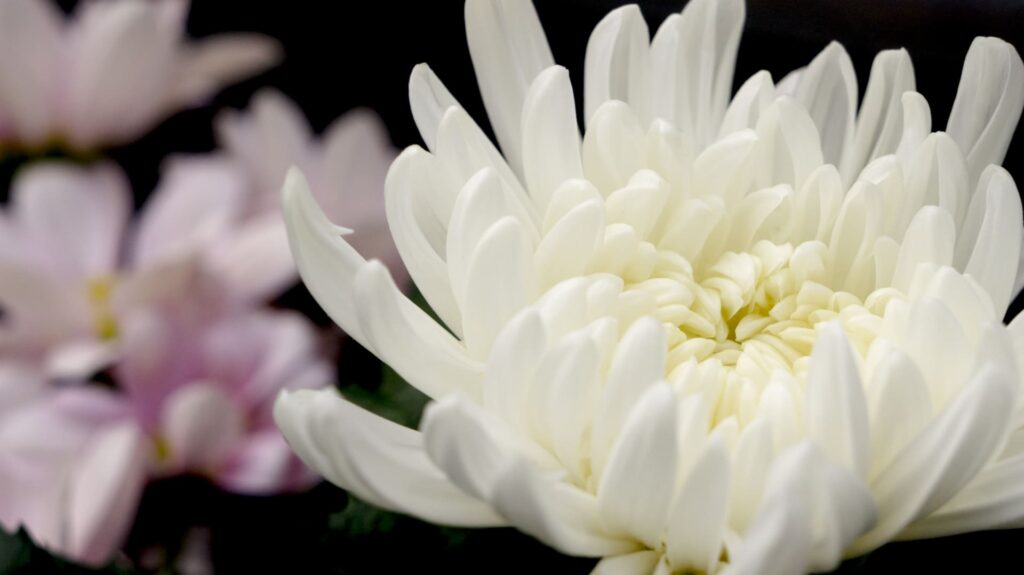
(72, 265)
(205, 396)
(72, 477)
(110, 71)
(346, 166)
(73, 460)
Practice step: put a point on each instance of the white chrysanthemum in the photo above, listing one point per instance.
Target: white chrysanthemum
(755, 335)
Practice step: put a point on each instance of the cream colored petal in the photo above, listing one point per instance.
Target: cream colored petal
(988, 103)
(836, 409)
(880, 120)
(509, 49)
(428, 99)
(637, 485)
(617, 63)
(409, 340)
(377, 460)
(828, 91)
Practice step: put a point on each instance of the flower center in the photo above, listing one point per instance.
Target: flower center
(98, 292)
(750, 318)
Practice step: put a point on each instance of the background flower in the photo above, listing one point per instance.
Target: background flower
(110, 71)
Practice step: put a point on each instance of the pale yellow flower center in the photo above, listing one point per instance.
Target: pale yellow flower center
(98, 293)
(750, 318)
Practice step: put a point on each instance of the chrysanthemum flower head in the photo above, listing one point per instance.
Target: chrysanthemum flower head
(753, 335)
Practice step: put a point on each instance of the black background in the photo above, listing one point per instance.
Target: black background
(340, 55)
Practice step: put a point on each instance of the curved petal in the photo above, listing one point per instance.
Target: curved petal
(408, 340)
(326, 262)
(880, 120)
(943, 458)
(75, 217)
(828, 91)
(636, 487)
(104, 492)
(209, 64)
(693, 59)
(377, 460)
(508, 49)
(837, 414)
(30, 53)
(550, 137)
(988, 103)
(428, 99)
(617, 63)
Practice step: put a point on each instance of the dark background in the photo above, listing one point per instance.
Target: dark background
(340, 55)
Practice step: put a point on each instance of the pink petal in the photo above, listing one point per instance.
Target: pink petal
(198, 200)
(254, 263)
(201, 426)
(30, 47)
(263, 464)
(211, 63)
(104, 493)
(119, 76)
(75, 217)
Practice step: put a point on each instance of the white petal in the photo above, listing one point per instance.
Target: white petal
(550, 137)
(992, 500)
(880, 121)
(917, 124)
(612, 146)
(788, 149)
(469, 446)
(828, 90)
(780, 540)
(500, 280)
(836, 410)
(929, 239)
(480, 204)
(509, 50)
(902, 407)
(377, 460)
(636, 488)
(419, 237)
(408, 340)
(817, 202)
(943, 458)
(428, 99)
(992, 236)
(636, 563)
(693, 58)
(617, 62)
(516, 353)
(756, 94)
(697, 523)
(567, 249)
(988, 103)
(463, 149)
(327, 264)
(554, 512)
(638, 363)
(718, 169)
